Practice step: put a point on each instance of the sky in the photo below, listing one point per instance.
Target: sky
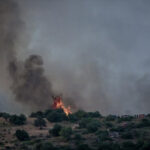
(96, 52)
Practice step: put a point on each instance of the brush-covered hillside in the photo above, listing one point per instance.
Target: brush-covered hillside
(53, 130)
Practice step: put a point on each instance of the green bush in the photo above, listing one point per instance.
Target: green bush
(93, 125)
(109, 124)
(127, 135)
(80, 114)
(17, 120)
(128, 146)
(65, 148)
(44, 146)
(38, 114)
(22, 135)
(56, 130)
(146, 146)
(127, 118)
(66, 132)
(84, 121)
(118, 129)
(94, 114)
(108, 146)
(40, 122)
(56, 116)
(83, 147)
(72, 118)
(78, 137)
(143, 123)
(5, 115)
(111, 118)
(103, 135)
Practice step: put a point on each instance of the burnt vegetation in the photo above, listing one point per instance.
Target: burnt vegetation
(52, 129)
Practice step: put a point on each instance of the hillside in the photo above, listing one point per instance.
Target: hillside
(53, 130)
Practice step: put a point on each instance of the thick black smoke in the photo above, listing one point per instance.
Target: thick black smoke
(31, 86)
(28, 82)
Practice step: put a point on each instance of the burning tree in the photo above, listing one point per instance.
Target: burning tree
(58, 104)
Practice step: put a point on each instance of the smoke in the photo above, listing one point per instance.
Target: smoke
(27, 80)
(96, 53)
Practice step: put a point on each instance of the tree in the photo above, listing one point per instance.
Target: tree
(40, 122)
(37, 114)
(84, 121)
(56, 116)
(17, 120)
(80, 114)
(94, 114)
(22, 135)
(5, 115)
(72, 118)
(56, 130)
(93, 125)
(66, 132)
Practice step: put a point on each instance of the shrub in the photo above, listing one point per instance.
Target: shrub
(94, 114)
(109, 124)
(72, 118)
(80, 114)
(127, 135)
(48, 111)
(56, 130)
(40, 122)
(22, 135)
(78, 137)
(83, 123)
(66, 132)
(83, 147)
(17, 120)
(108, 146)
(103, 135)
(44, 146)
(111, 118)
(139, 144)
(65, 148)
(5, 115)
(118, 129)
(38, 114)
(144, 123)
(146, 146)
(125, 118)
(93, 125)
(128, 145)
(56, 116)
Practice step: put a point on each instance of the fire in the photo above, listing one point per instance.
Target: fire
(58, 103)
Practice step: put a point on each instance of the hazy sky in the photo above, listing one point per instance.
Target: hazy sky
(95, 51)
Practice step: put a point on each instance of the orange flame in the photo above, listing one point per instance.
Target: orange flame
(58, 104)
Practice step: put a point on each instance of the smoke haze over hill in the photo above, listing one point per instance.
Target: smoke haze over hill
(95, 53)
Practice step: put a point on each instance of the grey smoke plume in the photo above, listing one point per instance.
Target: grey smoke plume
(30, 86)
(96, 53)
(27, 79)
